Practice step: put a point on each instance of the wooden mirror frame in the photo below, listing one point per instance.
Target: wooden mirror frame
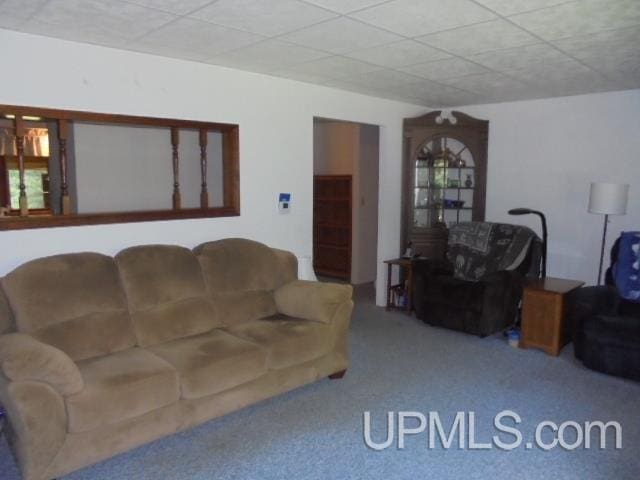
(25, 219)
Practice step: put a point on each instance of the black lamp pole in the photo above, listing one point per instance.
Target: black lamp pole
(527, 211)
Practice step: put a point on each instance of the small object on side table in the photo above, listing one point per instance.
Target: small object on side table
(544, 306)
(404, 289)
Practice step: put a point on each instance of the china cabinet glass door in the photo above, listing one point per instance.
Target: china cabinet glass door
(443, 183)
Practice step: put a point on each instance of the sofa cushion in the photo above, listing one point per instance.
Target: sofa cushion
(237, 264)
(288, 341)
(212, 362)
(241, 276)
(235, 308)
(121, 386)
(74, 302)
(166, 293)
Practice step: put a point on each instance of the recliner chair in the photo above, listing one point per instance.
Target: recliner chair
(478, 286)
(606, 328)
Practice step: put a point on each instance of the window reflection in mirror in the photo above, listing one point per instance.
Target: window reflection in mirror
(36, 161)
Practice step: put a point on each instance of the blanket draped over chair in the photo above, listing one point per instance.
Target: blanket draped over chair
(478, 248)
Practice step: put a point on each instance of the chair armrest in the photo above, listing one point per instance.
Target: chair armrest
(314, 301)
(23, 358)
(589, 302)
(425, 273)
(431, 266)
(596, 300)
(502, 295)
(504, 278)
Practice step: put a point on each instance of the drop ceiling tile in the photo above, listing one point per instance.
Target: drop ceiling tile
(299, 76)
(482, 37)
(341, 35)
(168, 51)
(336, 67)
(427, 87)
(613, 51)
(79, 33)
(272, 17)
(11, 21)
(562, 70)
(179, 7)
(511, 7)
(195, 37)
(494, 85)
(383, 79)
(398, 54)
(564, 81)
(448, 68)
(113, 20)
(19, 8)
(352, 87)
(267, 55)
(443, 100)
(580, 17)
(345, 6)
(566, 77)
(518, 57)
(418, 17)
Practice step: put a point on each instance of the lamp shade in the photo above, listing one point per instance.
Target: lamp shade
(608, 198)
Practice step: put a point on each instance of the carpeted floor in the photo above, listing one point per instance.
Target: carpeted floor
(316, 432)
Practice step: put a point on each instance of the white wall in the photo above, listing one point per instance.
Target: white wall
(367, 204)
(543, 154)
(276, 141)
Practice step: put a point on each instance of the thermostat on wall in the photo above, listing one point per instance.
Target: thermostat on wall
(284, 202)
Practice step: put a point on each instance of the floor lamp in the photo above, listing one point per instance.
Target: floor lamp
(527, 211)
(607, 199)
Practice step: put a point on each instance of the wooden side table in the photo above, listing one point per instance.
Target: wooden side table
(404, 264)
(544, 306)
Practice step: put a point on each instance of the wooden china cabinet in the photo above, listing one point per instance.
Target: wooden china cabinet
(444, 177)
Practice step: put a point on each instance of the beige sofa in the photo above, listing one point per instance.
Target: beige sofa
(99, 355)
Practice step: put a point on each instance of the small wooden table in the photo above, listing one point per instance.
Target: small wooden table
(544, 306)
(404, 264)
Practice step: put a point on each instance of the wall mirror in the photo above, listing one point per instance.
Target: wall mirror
(60, 167)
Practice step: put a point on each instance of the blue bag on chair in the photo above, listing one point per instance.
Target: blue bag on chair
(626, 271)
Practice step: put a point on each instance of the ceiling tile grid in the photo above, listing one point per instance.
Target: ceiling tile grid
(431, 52)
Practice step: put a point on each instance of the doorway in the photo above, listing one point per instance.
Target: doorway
(346, 179)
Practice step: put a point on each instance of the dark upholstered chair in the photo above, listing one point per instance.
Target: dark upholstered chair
(606, 328)
(478, 286)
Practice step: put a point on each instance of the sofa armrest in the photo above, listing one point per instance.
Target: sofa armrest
(314, 301)
(23, 358)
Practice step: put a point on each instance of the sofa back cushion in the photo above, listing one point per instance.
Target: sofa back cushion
(166, 293)
(6, 316)
(241, 276)
(74, 302)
